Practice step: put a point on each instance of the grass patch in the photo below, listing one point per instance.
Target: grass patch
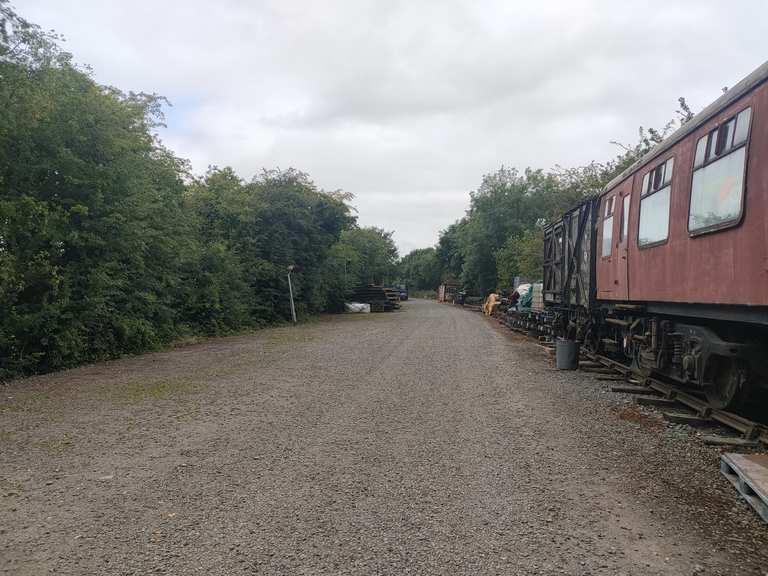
(160, 390)
(55, 444)
(369, 316)
(13, 408)
(289, 336)
(28, 400)
(425, 294)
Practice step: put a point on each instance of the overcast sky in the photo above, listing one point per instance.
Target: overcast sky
(407, 104)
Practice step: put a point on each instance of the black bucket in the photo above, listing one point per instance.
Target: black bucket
(566, 354)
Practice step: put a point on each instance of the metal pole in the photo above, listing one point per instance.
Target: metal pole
(290, 290)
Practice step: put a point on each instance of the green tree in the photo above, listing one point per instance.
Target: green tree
(371, 255)
(109, 246)
(420, 269)
(506, 205)
(521, 256)
(448, 251)
(90, 208)
(277, 220)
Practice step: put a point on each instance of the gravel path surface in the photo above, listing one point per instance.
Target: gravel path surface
(425, 441)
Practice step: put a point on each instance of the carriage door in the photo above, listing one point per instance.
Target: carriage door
(623, 201)
(613, 245)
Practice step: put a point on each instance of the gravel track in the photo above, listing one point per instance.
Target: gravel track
(425, 441)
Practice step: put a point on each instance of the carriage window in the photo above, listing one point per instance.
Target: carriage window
(624, 218)
(668, 167)
(718, 178)
(742, 127)
(701, 153)
(607, 228)
(609, 207)
(654, 205)
(607, 236)
(654, 218)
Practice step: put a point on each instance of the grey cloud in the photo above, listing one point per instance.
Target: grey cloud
(407, 104)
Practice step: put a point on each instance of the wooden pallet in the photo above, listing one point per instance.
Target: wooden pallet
(749, 475)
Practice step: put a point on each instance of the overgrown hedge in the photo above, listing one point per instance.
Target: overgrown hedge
(108, 245)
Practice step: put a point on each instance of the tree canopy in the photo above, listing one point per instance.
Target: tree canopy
(109, 245)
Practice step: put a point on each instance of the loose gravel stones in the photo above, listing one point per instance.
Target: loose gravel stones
(426, 441)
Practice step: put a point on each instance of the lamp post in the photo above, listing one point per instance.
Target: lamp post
(290, 291)
(347, 261)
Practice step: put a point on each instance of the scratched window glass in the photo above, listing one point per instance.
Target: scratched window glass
(625, 218)
(607, 236)
(654, 217)
(716, 192)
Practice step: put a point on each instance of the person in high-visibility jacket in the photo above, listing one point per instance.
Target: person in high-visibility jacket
(490, 303)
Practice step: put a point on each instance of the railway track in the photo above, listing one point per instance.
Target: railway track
(752, 433)
(746, 471)
(750, 430)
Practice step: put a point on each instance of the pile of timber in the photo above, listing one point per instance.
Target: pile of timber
(381, 299)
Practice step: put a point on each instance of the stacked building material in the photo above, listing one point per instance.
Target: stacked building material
(448, 291)
(381, 299)
(393, 296)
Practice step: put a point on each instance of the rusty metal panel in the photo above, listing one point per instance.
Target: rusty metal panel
(579, 252)
(553, 263)
(568, 257)
(613, 269)
(728, 266)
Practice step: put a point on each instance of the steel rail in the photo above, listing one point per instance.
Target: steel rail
(750, 429)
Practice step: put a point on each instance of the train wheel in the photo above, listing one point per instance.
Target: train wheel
(730, 385)
(638, 366)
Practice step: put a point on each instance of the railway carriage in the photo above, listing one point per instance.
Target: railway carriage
(667, 269)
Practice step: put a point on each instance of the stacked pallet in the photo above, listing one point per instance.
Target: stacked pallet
(393, 296)
(381, 299)
(538, 297)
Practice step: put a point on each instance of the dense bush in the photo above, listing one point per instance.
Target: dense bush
(421, 269)
(108, 245)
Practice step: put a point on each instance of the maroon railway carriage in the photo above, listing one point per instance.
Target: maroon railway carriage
(668, 268)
